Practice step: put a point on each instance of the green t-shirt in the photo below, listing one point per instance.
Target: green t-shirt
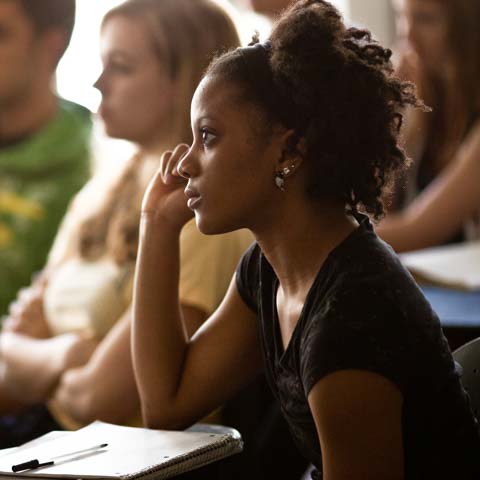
(38, 177)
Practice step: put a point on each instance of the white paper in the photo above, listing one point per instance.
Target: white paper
(452, 265)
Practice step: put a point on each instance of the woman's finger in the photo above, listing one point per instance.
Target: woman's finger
(172, 173)
(164, 163)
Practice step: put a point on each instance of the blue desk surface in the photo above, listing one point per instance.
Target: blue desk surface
(455, 308)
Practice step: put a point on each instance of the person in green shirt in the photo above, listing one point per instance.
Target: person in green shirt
(44, 140)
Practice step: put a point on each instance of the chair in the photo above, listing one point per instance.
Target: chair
(468, 356)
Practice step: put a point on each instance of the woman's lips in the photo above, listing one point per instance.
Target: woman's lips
(193, 203)
(193, 198)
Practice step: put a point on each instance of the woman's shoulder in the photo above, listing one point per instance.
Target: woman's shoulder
(364, 257)
(367, 279)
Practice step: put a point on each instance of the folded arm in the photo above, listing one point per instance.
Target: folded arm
(104, 388)
(31, 367)
(443, 207)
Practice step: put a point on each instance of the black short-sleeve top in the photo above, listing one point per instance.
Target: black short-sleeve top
(364, 311)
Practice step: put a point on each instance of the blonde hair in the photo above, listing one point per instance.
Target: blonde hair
(185, 35)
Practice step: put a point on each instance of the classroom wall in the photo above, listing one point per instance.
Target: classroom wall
(377, 15)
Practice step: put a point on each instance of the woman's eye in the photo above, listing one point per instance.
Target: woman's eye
(207, 136)
(118, 67)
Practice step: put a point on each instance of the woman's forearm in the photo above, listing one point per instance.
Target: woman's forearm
(159, 338)
(22, 356)
(91, 392)
(443, 207)
(180, 380)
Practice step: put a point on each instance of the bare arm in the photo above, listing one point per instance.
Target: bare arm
(358, 419)
(94, 392)
(104, 388)
(442, 207)
(191, 377)
(31, 367)
(181, 379)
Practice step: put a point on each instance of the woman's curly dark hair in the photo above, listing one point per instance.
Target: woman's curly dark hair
(335, 87)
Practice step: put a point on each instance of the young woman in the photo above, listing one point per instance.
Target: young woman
(154, 52)
(292, 139)
(441, 197)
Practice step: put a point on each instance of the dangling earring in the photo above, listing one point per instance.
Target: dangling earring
(280, 177)
(280, 180)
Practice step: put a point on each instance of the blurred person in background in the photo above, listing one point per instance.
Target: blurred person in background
(44, 140)
(439, 200)
(153, 53)
(269, 8)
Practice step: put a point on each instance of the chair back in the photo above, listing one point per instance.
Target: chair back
(468, 356)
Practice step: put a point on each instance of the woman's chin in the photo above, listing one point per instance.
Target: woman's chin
(210, 227)
(111, 131)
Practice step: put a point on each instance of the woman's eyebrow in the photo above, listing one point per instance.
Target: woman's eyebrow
(121, 55)
(209, 117)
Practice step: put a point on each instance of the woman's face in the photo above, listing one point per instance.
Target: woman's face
(137, 93)
(230, 170)
(423, 24)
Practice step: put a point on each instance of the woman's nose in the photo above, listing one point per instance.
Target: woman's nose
(100, 83)
(185, 165)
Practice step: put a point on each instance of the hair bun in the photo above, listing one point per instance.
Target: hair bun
(308, 25)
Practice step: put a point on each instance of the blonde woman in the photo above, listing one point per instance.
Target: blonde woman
(153, 53)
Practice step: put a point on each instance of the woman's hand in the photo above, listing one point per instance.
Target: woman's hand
(78, 351)
(164, 199)
(26, 314)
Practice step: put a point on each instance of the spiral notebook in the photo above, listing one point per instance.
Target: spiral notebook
(130, 453)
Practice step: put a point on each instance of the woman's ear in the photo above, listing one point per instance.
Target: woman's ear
(292, 148)
(292, 153)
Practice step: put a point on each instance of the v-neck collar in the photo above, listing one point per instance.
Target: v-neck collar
(282, 352)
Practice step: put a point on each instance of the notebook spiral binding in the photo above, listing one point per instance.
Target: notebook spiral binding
(228, 445)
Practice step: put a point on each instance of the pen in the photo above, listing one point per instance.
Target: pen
(35, 463)
(30, 465)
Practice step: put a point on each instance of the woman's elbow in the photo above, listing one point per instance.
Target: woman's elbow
(163, 418)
